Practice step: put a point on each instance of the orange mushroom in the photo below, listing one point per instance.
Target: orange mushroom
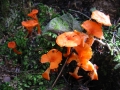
(75, 73)
(33, 13)
(29, 25)
(84, 53)
(68, 52)
(87, 66)
(54, 57)
(34, 16)
(68, 39)
(100, 17)
(93, 28)
(46, 74)
(93, 74)
(12, 45)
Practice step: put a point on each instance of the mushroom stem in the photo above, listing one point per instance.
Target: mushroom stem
(38, 26)
(75, 73)
(29, 32)
(33, 15)
(39, 29)
(16, 51)
(68, 52)
(46, 74)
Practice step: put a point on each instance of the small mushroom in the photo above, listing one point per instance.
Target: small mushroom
(100, 17)
(54, 57)
(93, 28)
(12, 45)
(34, 16)
(29, 25)
(75, 73)
(33, 13)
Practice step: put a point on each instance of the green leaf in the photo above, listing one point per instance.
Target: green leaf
(63, 23)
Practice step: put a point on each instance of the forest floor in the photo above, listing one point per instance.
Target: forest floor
(108, 76)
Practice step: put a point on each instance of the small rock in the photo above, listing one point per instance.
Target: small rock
(6, 79)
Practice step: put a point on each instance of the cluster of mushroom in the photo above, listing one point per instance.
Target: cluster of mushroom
(30, 24)
(81, 43)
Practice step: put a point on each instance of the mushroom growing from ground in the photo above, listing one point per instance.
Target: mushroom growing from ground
(54, 57)
(71, 39)
(93, 28)
(12, 45)
(33, 15)
(29, 25)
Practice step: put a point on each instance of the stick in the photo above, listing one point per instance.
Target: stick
(60, 72)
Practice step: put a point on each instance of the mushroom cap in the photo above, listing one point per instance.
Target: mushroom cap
(68, 39)
(100, 17)
(29, 23)
(33, 13)
(54, 57)
(93, 28)
(12, 44)
(84, 52)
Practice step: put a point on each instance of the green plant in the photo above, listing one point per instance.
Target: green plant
(6, 86)
(45, 14)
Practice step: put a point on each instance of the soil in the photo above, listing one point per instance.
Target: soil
(110, 7)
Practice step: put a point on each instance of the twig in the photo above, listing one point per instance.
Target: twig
(80, 13)
(60, 72)
(65, 79)
(105, 44)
